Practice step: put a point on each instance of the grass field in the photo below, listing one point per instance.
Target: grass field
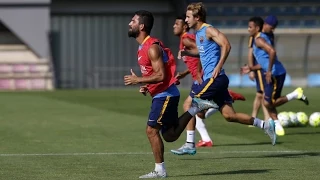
(81, 135)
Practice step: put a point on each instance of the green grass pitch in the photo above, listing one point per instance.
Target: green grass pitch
(100, 134)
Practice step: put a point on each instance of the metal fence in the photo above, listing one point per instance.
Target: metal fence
(299, 53)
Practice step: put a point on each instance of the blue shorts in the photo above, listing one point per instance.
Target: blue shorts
(214, 89)
(194, 88)
(273, 90)
(164, 112)
(260, 81)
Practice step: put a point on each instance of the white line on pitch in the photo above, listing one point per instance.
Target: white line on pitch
(145, 153)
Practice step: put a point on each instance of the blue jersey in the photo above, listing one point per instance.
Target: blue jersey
(271, 37)
(209, 52)
(262, 57)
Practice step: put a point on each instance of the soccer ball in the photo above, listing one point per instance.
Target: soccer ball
(284, 119)
(314, 119)
(293, 118)
(302, 118)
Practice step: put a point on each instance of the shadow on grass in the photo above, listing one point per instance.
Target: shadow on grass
(257, 156)
(244, 171)
(247, 144)
(302, 133)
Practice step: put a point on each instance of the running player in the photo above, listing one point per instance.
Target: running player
(187, 42)
(271, 23)
(273, 70)
(214, 48)
(158, 66)
(258, 78)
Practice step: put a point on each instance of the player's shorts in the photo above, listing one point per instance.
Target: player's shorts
(260, 80)
(195, 87)
(215, 89)
(164, 112)
(273, 90)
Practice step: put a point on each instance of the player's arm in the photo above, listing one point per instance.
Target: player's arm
(250, 52)
(190, 44)
(191, 48)
(183, 74)
(191, 53)
(250, 56)
(222, 41)
(250, 61)
(255, 67)
(155, 56)
(261, 43)
(199, 67)
(199, 72)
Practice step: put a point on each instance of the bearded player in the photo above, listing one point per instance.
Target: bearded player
(158, 68)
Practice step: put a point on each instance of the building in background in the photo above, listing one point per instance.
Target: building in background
(84, 44)
(25, 61)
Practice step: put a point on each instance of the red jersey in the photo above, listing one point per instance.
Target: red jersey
(146, 66)
(191, 62)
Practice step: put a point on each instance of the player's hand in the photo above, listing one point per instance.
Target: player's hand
(179, 54)
(131, 79)
(143, 90)
(268, 77)
(199, 79)
(244, 69)
(216, 72)
(180, 75)
(252, 76)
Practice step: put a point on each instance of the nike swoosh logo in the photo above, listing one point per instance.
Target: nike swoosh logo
(139, 58)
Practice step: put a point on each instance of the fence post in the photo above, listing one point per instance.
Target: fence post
(240, 63)
(306, 55)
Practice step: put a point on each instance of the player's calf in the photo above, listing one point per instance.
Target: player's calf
(228, 113)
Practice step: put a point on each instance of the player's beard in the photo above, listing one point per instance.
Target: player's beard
(133, 32)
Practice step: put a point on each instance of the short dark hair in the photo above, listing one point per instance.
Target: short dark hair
(183, 19)
(258, 21)
(146, 18)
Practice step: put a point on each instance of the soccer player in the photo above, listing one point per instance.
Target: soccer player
(158, 68)
(273, 70)
(258, 78)
(213, 48)
(271, 24)
(187, 42)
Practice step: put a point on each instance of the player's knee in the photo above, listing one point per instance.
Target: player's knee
(267, 104)
(169, 136)
(151, 131)
(201, 115)
(169, 139)
(259, 95)
(187, 104)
